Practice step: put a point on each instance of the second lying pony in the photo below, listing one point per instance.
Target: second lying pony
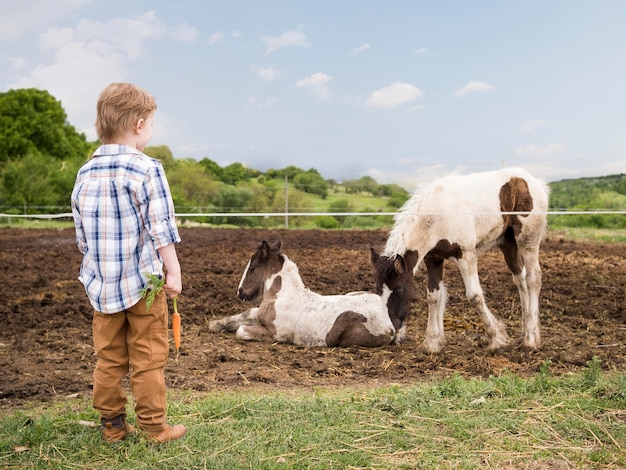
(292, 313)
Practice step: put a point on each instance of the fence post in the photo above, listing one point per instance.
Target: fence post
(286, 203)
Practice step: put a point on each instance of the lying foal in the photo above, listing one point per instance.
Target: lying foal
(291, 313)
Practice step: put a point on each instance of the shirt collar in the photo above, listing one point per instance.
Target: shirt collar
(115, 149)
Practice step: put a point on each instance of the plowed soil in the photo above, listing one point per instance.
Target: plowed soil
(45, 339)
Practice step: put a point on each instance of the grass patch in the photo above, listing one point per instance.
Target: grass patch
(589, 233)
(363, 222)
(574, 420)
(359, 202)
(16, 222)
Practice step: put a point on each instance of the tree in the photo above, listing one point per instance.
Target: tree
(33, 121)
(261, 198)
(311, 182)
(297, 202)
(367, 183)
(288, 172)
(620, 186)
(161, 153)
(212, 168)
(341, 205)
(27, 182)
(190, 184)
(236, 172)
(234, 199)
(389, 189)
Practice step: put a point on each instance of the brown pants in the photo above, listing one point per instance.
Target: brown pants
(134, 340)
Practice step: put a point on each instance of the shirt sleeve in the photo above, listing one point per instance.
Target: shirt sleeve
(161, 218)
(81, 239)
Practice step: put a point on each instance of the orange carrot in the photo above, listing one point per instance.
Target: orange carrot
(176, 326)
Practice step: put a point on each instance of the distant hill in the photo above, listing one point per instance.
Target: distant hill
(602, 192)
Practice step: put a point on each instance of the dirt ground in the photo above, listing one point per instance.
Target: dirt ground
(45, 342)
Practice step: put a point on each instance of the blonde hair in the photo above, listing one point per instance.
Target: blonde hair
(120, 107)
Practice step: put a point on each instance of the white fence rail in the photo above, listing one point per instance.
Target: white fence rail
(319, 214)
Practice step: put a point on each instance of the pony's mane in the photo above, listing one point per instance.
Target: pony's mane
(290, 269)
(398, 238)
(384, 267)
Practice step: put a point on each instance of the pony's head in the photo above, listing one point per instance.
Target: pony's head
(396, 273)
(265, 262)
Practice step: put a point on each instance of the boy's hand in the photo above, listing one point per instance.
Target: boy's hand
(173, 285)
(173, 279)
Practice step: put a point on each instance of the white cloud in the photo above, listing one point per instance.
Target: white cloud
(255, 104)
(217, 36)
(475, 87)
(421, 50)
(533, 150)
(288, 38)
(415, 178)
(79, 61)
(318, 83)
(393, 95)
(531, 124)
(124, 35)
(24, 16)
(267, 73)
(183, 32)
(360, 49)
(86, 61)
(235, 34)
(18, 63)
(192, 151)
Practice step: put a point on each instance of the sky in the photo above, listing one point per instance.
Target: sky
(402, 91)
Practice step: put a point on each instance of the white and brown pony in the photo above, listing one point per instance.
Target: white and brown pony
(291, 313)
(457, 218)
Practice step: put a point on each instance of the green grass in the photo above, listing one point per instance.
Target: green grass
(576, 420)
(589, 233)
(36, 223)
(360, 202)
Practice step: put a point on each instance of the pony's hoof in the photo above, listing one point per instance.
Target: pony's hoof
(432, 346)
(499, 343)
(214, 327)
(531, 342)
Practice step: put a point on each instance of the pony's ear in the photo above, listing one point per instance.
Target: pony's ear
(406, 263)
(264, 249)
(410, 259)
(398, 264)
(374, 256)
(277, 244)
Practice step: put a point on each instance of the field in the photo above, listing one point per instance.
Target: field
(46, 350)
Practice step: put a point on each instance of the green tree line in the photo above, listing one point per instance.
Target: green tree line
(41, 152)
(606, 193)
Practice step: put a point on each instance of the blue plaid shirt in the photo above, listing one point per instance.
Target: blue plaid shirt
(123, 213)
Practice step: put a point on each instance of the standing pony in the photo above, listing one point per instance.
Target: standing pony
(457, 218)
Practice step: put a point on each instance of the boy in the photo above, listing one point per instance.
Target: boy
(125, 228)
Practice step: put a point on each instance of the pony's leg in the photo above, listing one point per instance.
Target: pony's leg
(231, 323)
(524, 265)
(255, 332)
(435, 339)
(495, 329)
(531, 336)
(400, 335)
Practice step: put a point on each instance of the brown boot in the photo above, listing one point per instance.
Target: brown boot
(169, 433)
(116, 429)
